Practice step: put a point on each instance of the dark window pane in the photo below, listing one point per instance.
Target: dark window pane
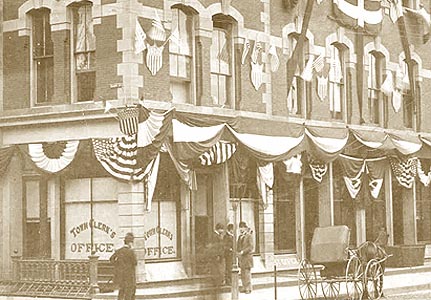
(86, 85)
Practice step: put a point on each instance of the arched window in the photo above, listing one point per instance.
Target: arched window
(376, 100)
(222, 67)
(42, 56)
(181, 55)
(337, 80)
(84, 52)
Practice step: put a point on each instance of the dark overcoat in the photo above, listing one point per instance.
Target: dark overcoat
(124, 261)
(245, 246)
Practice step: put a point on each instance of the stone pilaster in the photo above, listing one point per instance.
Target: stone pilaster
(265, 18)
(131, 213)
(11, 218)
(409, 215)
(326, 199)
(266, 232)
(54, 206)
(361, 235)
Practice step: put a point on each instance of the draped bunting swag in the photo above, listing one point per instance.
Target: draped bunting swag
(318, 169)
(353, 170)
(150, 181)
(424, 178)
(53, 160)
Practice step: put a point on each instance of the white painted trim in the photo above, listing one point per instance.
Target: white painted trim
(331, 192)
(389, 207)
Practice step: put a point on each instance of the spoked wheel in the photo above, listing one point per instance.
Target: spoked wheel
(374, 279)
(307, 280)
(331, 288)
(354, 279)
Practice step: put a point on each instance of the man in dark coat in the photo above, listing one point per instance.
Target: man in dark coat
(228, 251)
(245, 250)
(124, 261)
(215, 252)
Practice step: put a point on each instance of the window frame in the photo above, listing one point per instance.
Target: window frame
(341, 86)
(90, 53)
(376, 76)
(46, 57)
(190, 80)
(226, 25)
(409, 118)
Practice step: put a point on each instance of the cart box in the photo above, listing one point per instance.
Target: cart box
(330, 244)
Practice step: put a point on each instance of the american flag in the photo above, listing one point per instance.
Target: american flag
(218, 154)
(118, 157)
(154, 58)
(224, 53)
(256, 75)
(128, 119)
(256, 50)
(245, 50)
(157, 31)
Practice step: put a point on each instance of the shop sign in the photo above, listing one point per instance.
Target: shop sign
(159, 243)
(80, 237)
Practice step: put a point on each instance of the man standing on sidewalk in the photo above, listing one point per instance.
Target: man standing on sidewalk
(228, 252)
(124, 261)
(245, 249)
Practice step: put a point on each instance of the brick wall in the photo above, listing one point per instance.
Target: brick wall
(16, 71)
(61, 42)
(107, 58)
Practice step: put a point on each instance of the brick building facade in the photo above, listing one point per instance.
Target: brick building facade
(64, 60)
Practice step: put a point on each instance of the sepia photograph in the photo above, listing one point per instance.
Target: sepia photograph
(215, 149)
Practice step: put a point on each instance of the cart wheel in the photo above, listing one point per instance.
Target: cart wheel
(307, 281)
(374, 279)
(354, 279)
(330, 288)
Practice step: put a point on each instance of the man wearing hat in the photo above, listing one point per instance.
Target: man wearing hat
(245, 254)
(124, 261)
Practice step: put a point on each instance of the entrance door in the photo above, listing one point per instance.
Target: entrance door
(202, 220)
(311, 209)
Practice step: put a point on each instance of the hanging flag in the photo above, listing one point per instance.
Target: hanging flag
(157, 31)
(319, 63)
(353, 169)
(218, 154)
(395, 10)
(265, 182)
(128, 119)
(404, 171)
(223, 55)
(150, 181)
(365, 14)
(293, 164)
(245, 50)
(307, 73)
(273, 60)
(397, 99)
(322, 87)
(187, 175)
(175, 38)
(256, 75)
(388, 85)
(53, 157)
(118, 157)
(140, 36)
(154, 58)
(256, 50)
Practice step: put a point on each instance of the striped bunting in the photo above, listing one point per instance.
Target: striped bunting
(154, 58)
(318, 169)
(256, 75)
(118, 157)
(404, 171)
(128, 119)
(218, 154)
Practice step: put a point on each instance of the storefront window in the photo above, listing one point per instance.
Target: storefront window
(161, 228)
(284, 213)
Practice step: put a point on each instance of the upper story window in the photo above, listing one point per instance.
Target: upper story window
(181, 53)
(408, 101)
(84, 52)
(337, 79)
(376, 101)
(42, 56)
(222, 85)
(299, 90)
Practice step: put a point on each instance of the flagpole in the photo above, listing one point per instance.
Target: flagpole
(408, 59)
(293, 60)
